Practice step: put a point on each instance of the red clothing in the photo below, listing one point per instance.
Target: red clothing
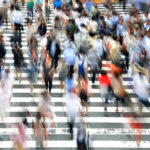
(104, 80)
(113, 68)
(134, 123)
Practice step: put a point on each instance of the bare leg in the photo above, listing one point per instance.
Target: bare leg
(61, 84)
(20, 76)
(86, 105)
(105, 107)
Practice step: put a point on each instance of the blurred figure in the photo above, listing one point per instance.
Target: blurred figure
(48, 72)
(20, 138)
(84, 93)
(30, 4)
(88, 6)
(33, 45)
(5, 12)
(9, 83)
(74, 109)
(57, 4)
(38, 132)
(62, 69)
(53, 48)
(18, 19)
(18, 60)
(136, 125)
(42, 29)
(118, 89)
(47, 11)
(82, 65)
(1, 19)
(58, 29)
(141, 85)
(105, 85)
(16, 38)
(29, 31)
(2, 56)
(45, 109)
(33, 73)
(82, 143)
(11, 16)
(93, 61)
(4, 100)
(69, 56)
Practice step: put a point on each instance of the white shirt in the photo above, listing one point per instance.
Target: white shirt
(73, 105)
(146, 45)
(80, 60)
(93, 26)
(144, 18)
(18, 18)
(141, 86)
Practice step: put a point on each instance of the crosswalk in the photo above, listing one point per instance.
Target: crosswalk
(106, 129)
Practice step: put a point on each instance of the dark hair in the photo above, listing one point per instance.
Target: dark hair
(56, 18)
(17, 7)
(116, 74)
(103, 72)
(12, 7)
(38, 115)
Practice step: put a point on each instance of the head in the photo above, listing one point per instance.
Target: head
(103, 72)
(17, 7)
(7, 71)
(38, 116)
(56, 19)
(12, 7)
(29, 22)
(51, 32)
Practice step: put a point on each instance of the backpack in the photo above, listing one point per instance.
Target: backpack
(81, 71)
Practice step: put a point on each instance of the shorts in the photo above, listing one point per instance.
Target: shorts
(83, 96)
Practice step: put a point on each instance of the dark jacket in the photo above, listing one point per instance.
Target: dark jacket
(2, 51)
(48, 48)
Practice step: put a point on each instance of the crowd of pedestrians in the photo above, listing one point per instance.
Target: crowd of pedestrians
(93, 41)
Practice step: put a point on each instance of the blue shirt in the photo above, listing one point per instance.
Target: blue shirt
(53, 48)
(69, 84)
(57, 4)
(69, 56)
(88, 5)
(121, 29)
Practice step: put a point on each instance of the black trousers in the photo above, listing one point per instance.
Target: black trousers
(81, 144)
(126, 54)
(71, 127)
(124, 4)
(71, 71)
(48, 83)
(93, 75)
(18, 27)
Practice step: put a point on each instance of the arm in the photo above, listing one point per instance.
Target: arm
(42, 75)
(51, 72)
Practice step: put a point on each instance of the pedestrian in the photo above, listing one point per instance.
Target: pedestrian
(53, 48)
(38, 132)
(105, 87)
(48, 73)
(18, 60)
(62, 69)
(74, 108)
(2, 56)
(18, 19)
